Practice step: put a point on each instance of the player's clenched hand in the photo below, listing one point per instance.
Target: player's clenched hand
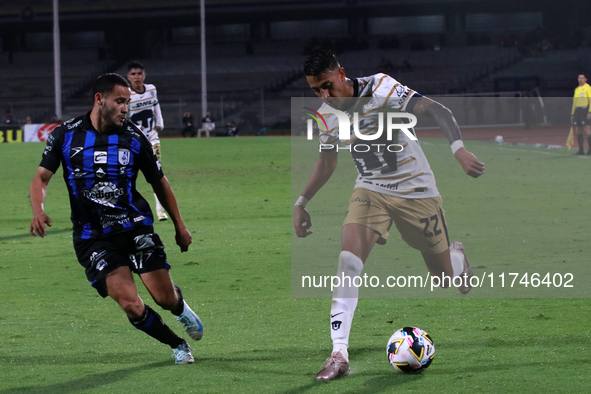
(302, 221)
(38, 224)
(183, 239)
(470, 163)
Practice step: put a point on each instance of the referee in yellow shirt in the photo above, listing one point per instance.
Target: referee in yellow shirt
(580, 116)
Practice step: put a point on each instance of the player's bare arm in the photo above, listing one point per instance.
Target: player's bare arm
(447, 123)
(323, 170)
(38, 191)
(166, 196)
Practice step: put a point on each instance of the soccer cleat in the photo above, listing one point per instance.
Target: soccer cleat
(335, 366)
(580, 153)
(589, 152)
(162, 215)
(467, 271)
(192, 323)
(182, 354)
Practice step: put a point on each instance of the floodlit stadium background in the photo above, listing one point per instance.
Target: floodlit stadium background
(255, 49)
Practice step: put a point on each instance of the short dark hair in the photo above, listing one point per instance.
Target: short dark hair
(135, 64)
(106, 82)
(320, 61)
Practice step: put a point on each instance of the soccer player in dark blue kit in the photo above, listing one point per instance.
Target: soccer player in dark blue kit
(101, 154)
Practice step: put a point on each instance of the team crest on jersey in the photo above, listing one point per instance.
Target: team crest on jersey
(371, 104)
(124, 156)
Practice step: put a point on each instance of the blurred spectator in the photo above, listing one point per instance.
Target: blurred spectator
(232, 129)
(8, 119)
(207, 125)
(188, 125)
(55, 119)
(28, 120)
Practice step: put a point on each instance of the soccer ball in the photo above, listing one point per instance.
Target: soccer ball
(410, 350)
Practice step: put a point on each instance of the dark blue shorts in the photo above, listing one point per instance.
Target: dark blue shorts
(141, 251)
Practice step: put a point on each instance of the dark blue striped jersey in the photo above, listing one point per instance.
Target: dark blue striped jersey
(100, 171)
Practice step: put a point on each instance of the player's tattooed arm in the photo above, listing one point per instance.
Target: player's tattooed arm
(442, 115)
(446, 121)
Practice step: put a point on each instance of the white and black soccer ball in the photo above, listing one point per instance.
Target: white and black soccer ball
(410, 350)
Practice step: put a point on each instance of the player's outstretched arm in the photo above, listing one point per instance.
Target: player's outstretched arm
(323, 170)
(469, 162)
(37, 194)
(168, 200)
(446, 121)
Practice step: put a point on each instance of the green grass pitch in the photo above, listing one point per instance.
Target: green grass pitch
(529, 211)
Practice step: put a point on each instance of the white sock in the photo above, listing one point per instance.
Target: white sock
(344, 302)
(457, 262)
(158, 205)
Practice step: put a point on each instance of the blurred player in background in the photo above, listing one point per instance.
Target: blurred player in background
(580, 115)
(101, 154)
(145, 113)
(392, 187)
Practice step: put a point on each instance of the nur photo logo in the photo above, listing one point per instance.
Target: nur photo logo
(387, 123)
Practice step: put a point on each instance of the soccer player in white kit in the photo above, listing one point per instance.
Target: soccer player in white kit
(144, 111)
(392, 187)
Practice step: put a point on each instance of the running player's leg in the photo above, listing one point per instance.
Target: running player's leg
(107, 265)
(450, 264)
(357, 242)
(121, 287)
(366, 222)
(421, 223)
(151, 264)
(170, 297)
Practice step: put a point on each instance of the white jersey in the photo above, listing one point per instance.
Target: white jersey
(405, 173)
(144, 111)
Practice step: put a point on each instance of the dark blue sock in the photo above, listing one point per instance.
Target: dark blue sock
(151, 323)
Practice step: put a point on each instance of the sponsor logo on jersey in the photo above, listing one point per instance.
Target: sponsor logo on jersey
(143, 104)
(78, 173)
(104, 193)
(72, 125)
(75, 150)
(101, 173)
(100, 157)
